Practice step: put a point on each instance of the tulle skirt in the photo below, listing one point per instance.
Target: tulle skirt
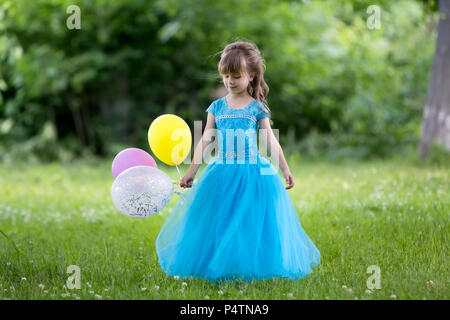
(236, 222)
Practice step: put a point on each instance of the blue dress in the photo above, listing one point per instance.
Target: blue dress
(238, 220)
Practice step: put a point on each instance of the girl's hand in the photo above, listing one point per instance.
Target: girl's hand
(186, 181)
(289, 180)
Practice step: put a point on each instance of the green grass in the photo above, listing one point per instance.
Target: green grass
(393, 214)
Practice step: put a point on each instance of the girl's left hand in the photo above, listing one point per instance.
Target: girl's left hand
(289, 180)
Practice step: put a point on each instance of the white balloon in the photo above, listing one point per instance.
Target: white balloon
(141, 191)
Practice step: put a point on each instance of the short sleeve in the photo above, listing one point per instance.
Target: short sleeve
(212, 108)
(262, 114)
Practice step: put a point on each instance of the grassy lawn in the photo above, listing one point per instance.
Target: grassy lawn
(393, 214)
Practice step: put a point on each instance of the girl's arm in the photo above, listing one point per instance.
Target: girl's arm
(274, 147)
(186, 181)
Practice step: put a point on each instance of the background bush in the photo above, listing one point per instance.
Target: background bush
(336, 87)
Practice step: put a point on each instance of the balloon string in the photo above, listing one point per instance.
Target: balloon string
(180, 193)
(178, 171)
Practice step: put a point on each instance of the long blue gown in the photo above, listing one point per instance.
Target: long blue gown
(238, 220)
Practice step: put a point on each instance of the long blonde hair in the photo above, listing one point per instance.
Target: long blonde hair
(245, 56)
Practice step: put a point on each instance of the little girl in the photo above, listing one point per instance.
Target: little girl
(237, 221)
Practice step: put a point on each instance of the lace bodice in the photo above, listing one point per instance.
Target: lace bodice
(237, 129)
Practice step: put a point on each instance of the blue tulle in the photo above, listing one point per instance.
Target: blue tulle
(236, 223)
(238, 220)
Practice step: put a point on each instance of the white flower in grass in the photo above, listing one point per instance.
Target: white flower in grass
(24, 279)
(106, 289)
(97, 296)
(290, 295)
(176, 277)
(156, 287)
(430, 283)
(45, 291)
(41, 286)
(393, 296)
(220, 292)
(368, 291)
(184, 284)
(88, 284)
(143, 289)
(91, 292)
(344, 287)
(78, 298)
(207, 297)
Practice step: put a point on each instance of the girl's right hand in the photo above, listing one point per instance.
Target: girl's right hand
(186, 181)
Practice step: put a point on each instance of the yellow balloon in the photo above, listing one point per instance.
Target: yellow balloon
(170, 139)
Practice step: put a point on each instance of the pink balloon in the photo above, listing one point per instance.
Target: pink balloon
(131, 157)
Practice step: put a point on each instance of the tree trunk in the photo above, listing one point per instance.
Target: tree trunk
(436, 119)
(76, 115)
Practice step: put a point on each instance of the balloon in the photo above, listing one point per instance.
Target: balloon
(141, 191)
(131, 157)
(170, 139)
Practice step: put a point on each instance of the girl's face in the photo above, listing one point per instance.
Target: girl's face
(236, 83)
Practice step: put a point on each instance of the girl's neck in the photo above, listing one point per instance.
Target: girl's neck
(240, 96)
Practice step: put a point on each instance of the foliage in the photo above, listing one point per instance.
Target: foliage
(100, 87)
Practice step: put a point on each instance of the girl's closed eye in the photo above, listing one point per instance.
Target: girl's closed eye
(236, 77)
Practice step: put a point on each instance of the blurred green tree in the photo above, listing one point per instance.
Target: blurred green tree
(335, 85)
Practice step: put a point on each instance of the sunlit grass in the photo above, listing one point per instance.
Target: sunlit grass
(392, 214)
